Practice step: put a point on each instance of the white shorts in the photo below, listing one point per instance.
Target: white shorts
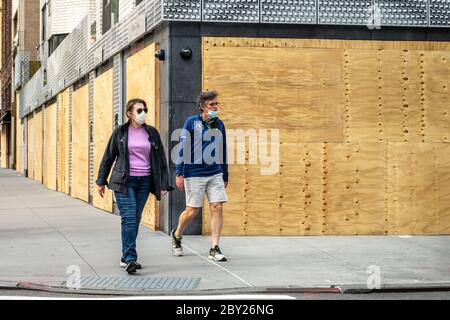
(195, 188)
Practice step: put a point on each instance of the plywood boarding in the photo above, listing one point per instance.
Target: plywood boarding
(4, 148)
(49, 156)
(30, 147)
(38, 137)
(142, 74)
(63, 142)
(436, 96)
(80, 143)
(103, 126)
(443, 187)
(19, 146)
(413, 188)
(19, 140)
(364, 97)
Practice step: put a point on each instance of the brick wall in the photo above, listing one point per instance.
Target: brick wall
(31, 27)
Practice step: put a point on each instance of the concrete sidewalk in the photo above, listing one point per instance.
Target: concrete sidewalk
(43, 233)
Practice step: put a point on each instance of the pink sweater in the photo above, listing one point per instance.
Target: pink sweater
(139, 149)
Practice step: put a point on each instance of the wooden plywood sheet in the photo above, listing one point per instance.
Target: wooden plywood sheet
(412, 188)
(443, 186)
(103, 127)
(19, 146)
(80, 143)
(354, 178)
(38, 136)
(49, 157)
(367, 171)
(436, 96)
(361, 111)
(4, 149)
(291, 82)
(63, 142)
(142, 74)
(391, 111)
(30, 147)
(324, 43)
(142, 82)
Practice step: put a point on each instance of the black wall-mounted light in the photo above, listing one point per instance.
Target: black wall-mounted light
(186, 53)
(160, 54)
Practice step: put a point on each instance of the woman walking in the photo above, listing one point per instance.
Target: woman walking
(140, 168)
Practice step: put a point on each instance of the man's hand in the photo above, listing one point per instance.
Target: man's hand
(180, 182)
(101, 190)
(163, 193)
(226, 184)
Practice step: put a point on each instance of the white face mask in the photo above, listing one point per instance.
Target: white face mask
(140, 118)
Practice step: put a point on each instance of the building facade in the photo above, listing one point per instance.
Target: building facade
(353, 96)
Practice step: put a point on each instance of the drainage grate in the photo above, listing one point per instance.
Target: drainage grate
(136, 282)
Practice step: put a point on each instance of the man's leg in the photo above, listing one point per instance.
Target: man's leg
(185, 218)
(216, 196)
(194, 191)
(216, 222)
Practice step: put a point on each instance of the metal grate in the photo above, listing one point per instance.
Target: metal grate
(284, 11)
(403, 12)
(137, 282)
(230, 11)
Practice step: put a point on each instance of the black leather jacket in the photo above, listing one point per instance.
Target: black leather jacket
(117, 150)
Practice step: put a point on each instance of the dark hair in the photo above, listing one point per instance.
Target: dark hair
(132, 102)
(204, 97)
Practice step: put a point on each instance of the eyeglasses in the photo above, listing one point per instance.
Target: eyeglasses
(139, 111)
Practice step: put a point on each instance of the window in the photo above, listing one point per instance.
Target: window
(44, 78)
(114, 11)
(138, 2)
(93, 31)
(110, 14)
(54, 42)
(106, 16)
(44, 23)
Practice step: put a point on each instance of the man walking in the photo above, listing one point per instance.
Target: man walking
(203, 168)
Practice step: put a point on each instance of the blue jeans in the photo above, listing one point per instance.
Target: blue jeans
(131, 206)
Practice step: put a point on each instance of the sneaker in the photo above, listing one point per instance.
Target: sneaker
(216, 255)
(123, 264)
(177, 250)
(132, 267)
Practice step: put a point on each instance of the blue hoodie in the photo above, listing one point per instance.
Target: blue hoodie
(211, 138)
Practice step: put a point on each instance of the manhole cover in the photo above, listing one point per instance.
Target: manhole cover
(135, 282)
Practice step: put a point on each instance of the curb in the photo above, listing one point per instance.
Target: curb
(341, 289)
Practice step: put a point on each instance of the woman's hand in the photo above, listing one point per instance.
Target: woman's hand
(163, 193)
(180, 182)
(101, 190)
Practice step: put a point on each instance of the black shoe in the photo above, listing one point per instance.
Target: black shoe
(132, 267)
(216, 255)
(177, 249)
(123, 264)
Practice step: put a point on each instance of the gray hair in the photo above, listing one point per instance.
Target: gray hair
(204, 97)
